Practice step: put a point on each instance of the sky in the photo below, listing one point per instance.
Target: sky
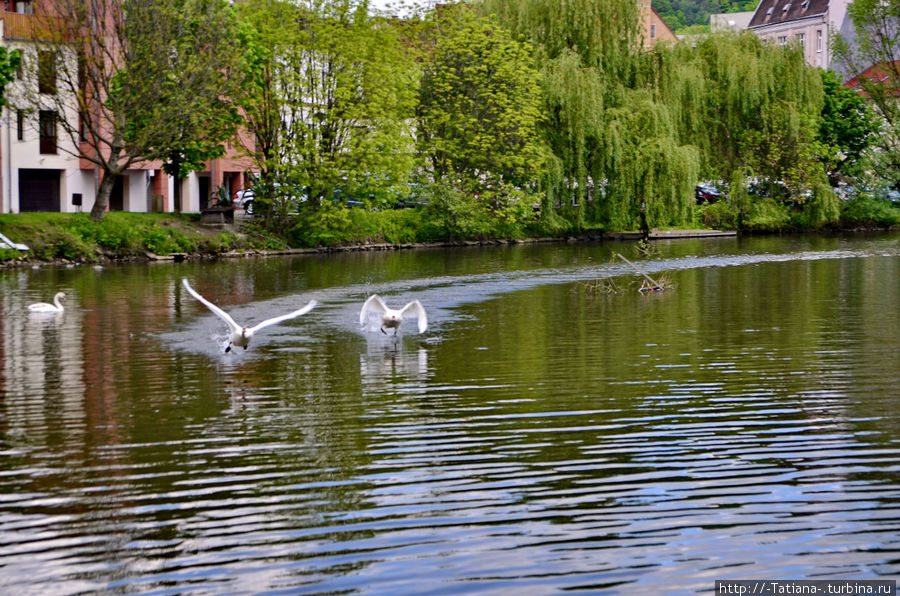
(397, 5)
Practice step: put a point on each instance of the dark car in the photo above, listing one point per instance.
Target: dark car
(706, 193)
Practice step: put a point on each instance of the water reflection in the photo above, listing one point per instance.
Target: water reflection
(42, 369)
(387, 361)
(538, 437)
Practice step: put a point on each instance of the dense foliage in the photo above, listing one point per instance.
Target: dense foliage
(875, 54)
(502, 118)
(329, 97)
(521, 117)
(9, 63)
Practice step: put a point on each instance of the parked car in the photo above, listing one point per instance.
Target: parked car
(243, 199)
(707, 193)
(414, 197)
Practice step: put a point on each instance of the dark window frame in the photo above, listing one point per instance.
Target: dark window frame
(47, 131)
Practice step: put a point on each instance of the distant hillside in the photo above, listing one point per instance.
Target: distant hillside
(681, 14)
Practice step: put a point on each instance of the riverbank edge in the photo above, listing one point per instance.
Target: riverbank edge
(149, 257)
(107, 257)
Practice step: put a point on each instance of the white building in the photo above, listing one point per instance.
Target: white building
(808, 23)
(39, 165)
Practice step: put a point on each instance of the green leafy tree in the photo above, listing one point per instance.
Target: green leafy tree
(617, 159)
(846, 129)
(750, 109)
(329, 99)
(9, 63)
(479, 104)
(874, 56)
(140, 80)
(197, 81)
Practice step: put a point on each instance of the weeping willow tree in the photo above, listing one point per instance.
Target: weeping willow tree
(618, 159)
(752, 109)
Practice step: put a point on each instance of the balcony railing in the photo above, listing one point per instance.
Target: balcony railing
(30, 27)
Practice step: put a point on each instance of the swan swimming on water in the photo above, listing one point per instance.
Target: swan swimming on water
(240, 336)
(392, 318)
(45, 307)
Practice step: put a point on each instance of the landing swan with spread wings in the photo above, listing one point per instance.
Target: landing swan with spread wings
(392, 318)
(240, 336)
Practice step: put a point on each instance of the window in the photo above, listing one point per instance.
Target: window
(801, 39)
(47, 72)
(20, 125)
(47, 131)
(818, 40)
(782, 40)
(652, 31)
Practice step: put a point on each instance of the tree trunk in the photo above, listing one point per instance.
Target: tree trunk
(103, 194)
(174, 166)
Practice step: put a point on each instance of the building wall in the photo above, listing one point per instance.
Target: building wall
(20, 147)
(785, 21)
(814, 34)
(654, 28)
(144, 187)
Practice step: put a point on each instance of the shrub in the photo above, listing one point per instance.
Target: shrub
(766, 215)
(718, 215)
(820, 210)
(8, 254)
(866, 211)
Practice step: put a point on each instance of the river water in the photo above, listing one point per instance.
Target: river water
(553, 429)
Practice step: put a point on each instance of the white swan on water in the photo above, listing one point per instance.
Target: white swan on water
(390, 317)
(46, 307)
(240, 336)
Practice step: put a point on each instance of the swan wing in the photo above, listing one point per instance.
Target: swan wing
(416, 309)
(218, 311)
(373, 303)
(310, 305)
(42, 307)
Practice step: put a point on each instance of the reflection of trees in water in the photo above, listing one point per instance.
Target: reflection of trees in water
(42, 369)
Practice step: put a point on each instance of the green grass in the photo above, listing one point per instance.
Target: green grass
(75, 237)
(121, 235)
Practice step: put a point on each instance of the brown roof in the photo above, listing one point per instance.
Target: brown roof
(771, 12)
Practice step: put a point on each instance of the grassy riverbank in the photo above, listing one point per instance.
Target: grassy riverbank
(120, 236)
(74, 238)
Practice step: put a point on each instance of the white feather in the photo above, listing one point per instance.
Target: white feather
(240, 336)
(46, 307)
(392, 318)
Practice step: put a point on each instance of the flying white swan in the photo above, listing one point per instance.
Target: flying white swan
(45, 307)
(240, 336)
(391, 318)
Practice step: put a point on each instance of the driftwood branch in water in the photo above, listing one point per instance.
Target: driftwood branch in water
(653, 286)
